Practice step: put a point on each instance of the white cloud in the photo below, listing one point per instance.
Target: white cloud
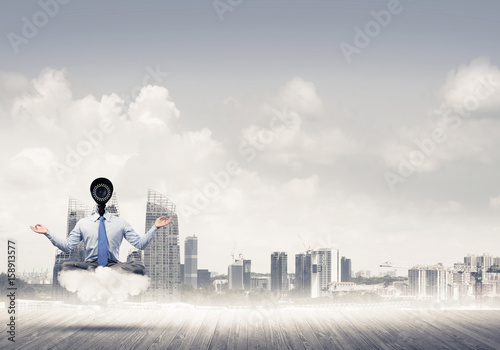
(137, 146)
(153, 106)
(300, 95)
(494, 202)
(464, 134)
(287, 139)
(302, 187)
(479, 81)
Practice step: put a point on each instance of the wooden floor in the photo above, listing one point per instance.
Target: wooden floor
(287, 328)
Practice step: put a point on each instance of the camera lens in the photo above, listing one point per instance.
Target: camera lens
(101, 192)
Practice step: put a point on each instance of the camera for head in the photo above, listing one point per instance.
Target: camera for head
(101, 190)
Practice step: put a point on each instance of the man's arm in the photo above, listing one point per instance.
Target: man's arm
(66, 245)
(142, 242)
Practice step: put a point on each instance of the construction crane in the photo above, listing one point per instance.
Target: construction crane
(398, 265)
(232, 252)
(307, 249)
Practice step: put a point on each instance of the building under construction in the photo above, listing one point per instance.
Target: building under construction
(162, 255)
(76, 211)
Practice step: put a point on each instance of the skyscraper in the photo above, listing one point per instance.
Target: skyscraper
(191, 261)
(279, 274)
(76, 211)
(430, 282)
(303, 270)
(239, 274)
(337, 264)
(162, 255)
(322, 258)
(483, 261)
(345, 269)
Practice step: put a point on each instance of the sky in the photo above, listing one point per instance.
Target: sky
(371, 127)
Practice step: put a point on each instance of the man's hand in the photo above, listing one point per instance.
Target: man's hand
(162, 221)
(39, 229)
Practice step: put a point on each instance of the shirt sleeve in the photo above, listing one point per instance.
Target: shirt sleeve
(140, 242)
(68, 244)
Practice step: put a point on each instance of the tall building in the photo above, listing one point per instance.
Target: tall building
(483, 261)
(239, 274)
(203, 278)
(345, 269)
(261, 283)
(162, 255)
(279, 273)
(322, 258)
(191, 261)
(337, 265)
(76, 211)
(430, 282)
(303, 270)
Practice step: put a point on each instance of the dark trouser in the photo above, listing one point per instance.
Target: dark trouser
(136, 267)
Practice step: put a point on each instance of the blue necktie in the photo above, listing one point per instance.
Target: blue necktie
(102, 244)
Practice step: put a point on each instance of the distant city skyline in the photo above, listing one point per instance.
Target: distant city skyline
(371, 127)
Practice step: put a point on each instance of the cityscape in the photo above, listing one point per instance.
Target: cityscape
(288, 174)
(320, 274)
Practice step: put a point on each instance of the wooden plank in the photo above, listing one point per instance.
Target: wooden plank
(108, 327)
(186, 328)
(184, 338)
(55, 328)
(243, 335)
(367, 330)
(147, 324)
(341, 329)
(287, 328)
(221, 333)
(278, 337)
(174, 323)
(306, 335)
(160, 319)
(258, 330)
(203, 338)
(320, 325)
(235, 329)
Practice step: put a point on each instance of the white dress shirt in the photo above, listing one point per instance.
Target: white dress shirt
(87, 229)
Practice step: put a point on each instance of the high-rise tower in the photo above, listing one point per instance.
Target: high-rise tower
(162, 255)
(76, 211)
(345, 269)
(239, 274)
(191, 261)
(303, 270)
(279, 273)
(322, 259)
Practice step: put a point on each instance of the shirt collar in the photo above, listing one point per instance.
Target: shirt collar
(106, 215)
